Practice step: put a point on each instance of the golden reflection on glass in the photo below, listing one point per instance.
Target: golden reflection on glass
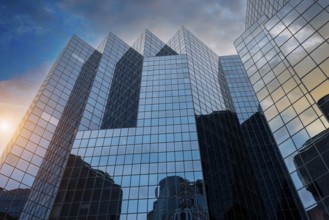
(314, 78)
(320, 91)
(325, 67)
(315, 128)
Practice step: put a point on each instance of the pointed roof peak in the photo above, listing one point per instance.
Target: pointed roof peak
(144, 42)
(112, 35)
(147, 31)
(183, 28)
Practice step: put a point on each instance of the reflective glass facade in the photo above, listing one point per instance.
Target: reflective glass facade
(241, 91)
(148, 131)
(279, 199)
(33, 162)
(285, 54)
(110, 135)
(258, 8)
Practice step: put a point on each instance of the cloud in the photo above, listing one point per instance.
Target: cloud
(19, 91)
(31, 13)
(216, 22)
(32, 31)
(30, 24)
(25, 17)
(15, 97)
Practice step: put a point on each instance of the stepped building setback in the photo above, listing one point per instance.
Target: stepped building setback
(159, 131)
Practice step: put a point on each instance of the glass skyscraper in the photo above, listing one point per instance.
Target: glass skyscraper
(153, 131)
(285, 52)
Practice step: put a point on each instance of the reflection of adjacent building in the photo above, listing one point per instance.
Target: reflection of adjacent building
(230, 183)
(12, 202)
(277, 194)
(312, 163)
(323, 105)
(243, 176)
(179, 199)
(86, 193)
(280, 199)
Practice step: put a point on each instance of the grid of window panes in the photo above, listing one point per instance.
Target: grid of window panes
(51, 169)
(226, 94)
(243, 95)
(161, 148)
(113, 51)
(286, 58)
(148, 44)
(102, 44)
(122, 104)
(138, 45)
(203, 69)
(258, 8)
(277, 192)
(21, 163)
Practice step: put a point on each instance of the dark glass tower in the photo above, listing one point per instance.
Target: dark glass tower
(148, 131)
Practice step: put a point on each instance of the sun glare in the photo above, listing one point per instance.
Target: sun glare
(7, 127)
(4, 126)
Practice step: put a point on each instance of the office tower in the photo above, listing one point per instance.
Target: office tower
(279, 198)
(284, 50)
(259, 8)
(147, 131)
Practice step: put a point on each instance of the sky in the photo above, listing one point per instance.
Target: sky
(33, 33)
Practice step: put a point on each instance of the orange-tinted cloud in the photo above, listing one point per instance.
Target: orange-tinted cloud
(15, 97)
